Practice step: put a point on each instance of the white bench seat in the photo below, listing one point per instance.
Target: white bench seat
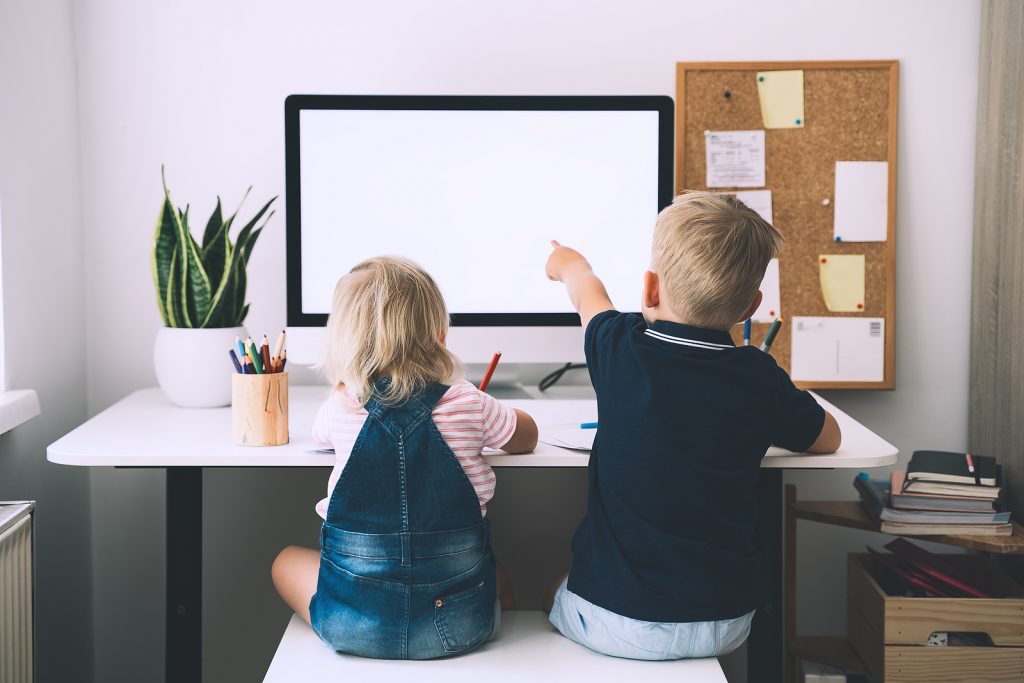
(528, 650)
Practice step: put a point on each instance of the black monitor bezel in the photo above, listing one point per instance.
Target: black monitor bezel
(294, 104)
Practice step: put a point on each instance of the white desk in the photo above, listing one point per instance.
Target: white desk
(144, 430)
(526, 649)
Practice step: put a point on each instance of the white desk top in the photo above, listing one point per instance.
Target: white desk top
(145, 430)
(526, 649)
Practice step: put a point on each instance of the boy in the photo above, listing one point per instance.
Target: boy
(664, 563)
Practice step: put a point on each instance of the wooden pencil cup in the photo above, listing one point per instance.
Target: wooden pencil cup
(259, 409)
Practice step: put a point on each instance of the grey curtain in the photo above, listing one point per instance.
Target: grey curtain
(996, 412)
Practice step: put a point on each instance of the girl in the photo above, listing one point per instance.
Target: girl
(405, 569)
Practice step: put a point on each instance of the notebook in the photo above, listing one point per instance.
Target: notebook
(950, 467)
(875, 494)
(906, 500)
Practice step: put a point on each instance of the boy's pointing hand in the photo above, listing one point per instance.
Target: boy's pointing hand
(561, 260)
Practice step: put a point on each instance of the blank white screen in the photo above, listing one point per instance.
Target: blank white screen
(475, 198)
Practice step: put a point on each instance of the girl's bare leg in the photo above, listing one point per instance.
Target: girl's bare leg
(295, 572)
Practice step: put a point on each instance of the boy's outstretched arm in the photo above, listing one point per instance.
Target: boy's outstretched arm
(586, 290)
(829, 437)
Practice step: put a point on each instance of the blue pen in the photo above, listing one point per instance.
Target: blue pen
(588, 425)
(746, 332)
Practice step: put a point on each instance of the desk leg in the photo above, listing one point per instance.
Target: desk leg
(183, 661)
(764, 647)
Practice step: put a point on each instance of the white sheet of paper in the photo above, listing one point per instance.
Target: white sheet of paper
(758, 200)
(837, 349)
(862, 201)
(771, 304)
(735, 158)
(568, 436)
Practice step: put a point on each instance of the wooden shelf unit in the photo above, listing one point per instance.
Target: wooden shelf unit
(836, 650)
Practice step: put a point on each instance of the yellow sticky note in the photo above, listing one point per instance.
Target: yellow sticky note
(842, 282)
(782, 98)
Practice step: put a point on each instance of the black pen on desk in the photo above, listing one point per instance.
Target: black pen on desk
(769, 338)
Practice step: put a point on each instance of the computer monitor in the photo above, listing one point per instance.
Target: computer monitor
(474, 189)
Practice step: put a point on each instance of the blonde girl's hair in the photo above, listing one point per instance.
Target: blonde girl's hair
(389, 320)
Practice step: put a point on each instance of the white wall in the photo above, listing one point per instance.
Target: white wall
(44, 321)
(200, 86)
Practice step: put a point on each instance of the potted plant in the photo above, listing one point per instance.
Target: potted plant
(200, 288)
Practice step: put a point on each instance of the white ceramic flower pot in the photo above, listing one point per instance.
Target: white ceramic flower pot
(192, 365)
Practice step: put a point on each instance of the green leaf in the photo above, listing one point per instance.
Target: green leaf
(195, 284)
(213, 227)
(172, 302)
(163, 254)
(240, 307)
(221, 270)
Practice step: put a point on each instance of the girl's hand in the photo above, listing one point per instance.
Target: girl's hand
(561, 260)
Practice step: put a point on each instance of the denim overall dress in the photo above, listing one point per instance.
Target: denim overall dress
(406, 569)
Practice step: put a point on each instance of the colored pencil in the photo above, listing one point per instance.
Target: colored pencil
(490, 371)
(234, 360)
(245, 365)
(265, 355)
(254, 353)
(769, 338)
(284, 359)
(279, 347)
(241, 348)
(746, 332)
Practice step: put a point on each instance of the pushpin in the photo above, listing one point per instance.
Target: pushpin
(760, 78)
(826, 201)
(824, 260)
(838, 238)
(860, 306)
(727, 94)
(798, 122)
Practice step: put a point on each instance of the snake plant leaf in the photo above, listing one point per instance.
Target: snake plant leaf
(218, 267)
(195, 285)
(213, 226)
(172, 301)
(203, 284)
(163, 253)
(216, 256)
(241, 308)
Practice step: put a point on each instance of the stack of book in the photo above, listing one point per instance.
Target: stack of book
(941, 493)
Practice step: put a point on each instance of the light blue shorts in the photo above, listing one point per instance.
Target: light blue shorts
(613, 634)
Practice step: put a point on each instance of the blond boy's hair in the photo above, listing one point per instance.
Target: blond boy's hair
(710, 253)
(389, 320)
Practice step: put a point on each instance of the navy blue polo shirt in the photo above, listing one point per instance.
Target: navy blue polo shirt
(685, 418)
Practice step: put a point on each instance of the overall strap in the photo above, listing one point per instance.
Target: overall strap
(400, 419)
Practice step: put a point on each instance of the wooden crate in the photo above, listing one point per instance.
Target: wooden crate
(890, 633)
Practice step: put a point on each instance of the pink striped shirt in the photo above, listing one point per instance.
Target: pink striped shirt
(468, 419)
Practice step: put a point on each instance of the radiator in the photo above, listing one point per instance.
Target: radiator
(16, 654)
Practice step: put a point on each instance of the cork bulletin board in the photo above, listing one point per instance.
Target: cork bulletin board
(849, 115)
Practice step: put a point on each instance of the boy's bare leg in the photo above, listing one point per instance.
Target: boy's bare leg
(295, 573)
(506, 596)
(549, 596)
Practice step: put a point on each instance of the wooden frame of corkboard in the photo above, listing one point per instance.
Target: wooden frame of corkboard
(850, 112)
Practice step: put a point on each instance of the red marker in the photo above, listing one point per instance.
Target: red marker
(970, 463)
(490, 371)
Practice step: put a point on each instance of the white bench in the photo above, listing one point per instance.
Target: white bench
(527, 650)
